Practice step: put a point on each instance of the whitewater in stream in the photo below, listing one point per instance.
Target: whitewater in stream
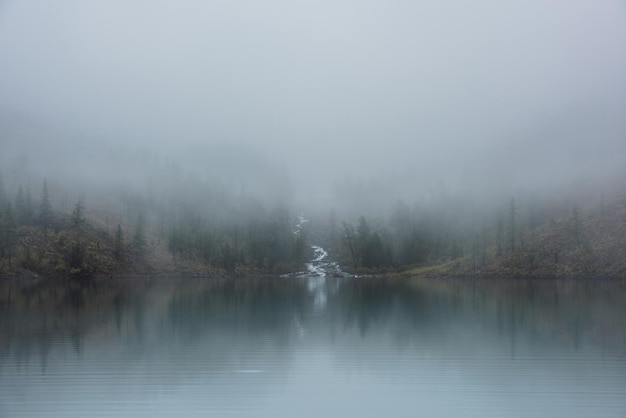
(317, 270)
(320, 265)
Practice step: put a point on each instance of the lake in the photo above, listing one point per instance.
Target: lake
(313, 346)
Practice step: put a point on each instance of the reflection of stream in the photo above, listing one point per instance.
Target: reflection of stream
(317, 270)
(316, 273)
(256, 347)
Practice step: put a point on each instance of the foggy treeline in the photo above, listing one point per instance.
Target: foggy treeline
(95, 208)
(140, 202)
(484, 138)
(544, 237)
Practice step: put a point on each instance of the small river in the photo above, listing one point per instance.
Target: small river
(313, 344)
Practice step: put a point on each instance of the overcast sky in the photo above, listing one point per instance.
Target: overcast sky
(334, 87)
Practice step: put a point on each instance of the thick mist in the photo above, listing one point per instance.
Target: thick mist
(313, 102)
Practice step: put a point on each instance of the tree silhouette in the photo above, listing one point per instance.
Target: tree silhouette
(118, 249)
(3, 197)
(139, 238)
(512, 225)
(77, 214)
(8, 235)
(45, 209)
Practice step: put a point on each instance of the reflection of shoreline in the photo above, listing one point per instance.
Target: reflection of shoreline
(231, 342)
(565, 313)
(565, 310)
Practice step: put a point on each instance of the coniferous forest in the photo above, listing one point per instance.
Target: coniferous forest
(312, 208)
(408, 137)
(170, 220)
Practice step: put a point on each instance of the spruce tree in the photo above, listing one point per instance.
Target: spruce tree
(512, 225)
(8, 234)
(45, 209)
(576, 222)
(139, 239)
(77, 214)
(118, 249)
(3, 196)
(20, 203)
(499, 238)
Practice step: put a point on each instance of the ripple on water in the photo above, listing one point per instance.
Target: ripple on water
(267, 348)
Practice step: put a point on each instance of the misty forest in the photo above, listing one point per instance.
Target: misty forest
(521, 179)
(117, 158)
(352, 192)
(86, 209)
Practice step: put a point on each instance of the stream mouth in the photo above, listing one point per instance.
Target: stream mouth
(320, 266)
(317, 271)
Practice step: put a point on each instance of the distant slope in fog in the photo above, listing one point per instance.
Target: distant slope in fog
(583, 243)
(219, 207)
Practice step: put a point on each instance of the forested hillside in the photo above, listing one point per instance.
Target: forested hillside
(187, 226)
(583, 242)
(175, 237)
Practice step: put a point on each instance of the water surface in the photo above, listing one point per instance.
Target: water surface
(313, 346)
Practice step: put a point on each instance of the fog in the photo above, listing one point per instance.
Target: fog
(397, 99)
(239, 206)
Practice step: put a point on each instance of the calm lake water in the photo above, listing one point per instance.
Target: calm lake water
(313, 347)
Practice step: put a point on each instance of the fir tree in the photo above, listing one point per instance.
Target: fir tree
(118, 248)
(512, 225)
(20, 204)
(139, 239)
(499, 238)
(77, 214)
(45, 209)
(8, 233)
(3, 196)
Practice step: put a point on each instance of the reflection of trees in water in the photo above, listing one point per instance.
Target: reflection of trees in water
(373, 300)
(143, 313)
(34, 317)
(367, 302)
(567, 312)
(255, 306)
